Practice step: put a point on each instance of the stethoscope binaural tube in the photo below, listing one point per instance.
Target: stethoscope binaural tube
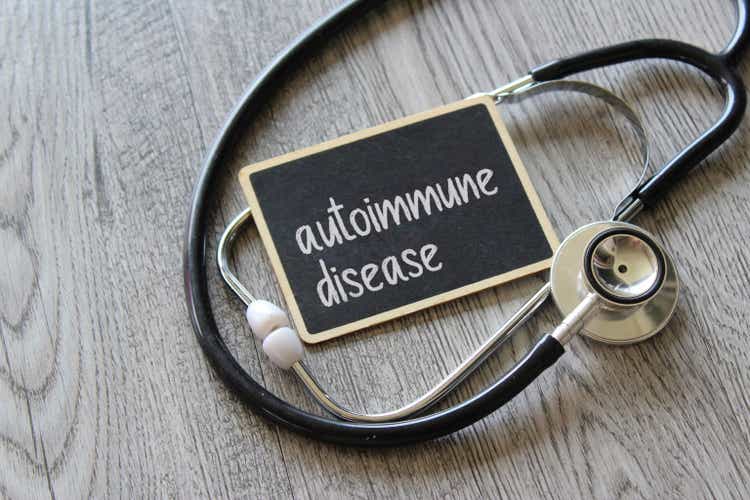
(720, 67)
(546, 351)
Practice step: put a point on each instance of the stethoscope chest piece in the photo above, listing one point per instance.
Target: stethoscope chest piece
(624, 280)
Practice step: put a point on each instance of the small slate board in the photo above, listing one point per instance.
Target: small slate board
(399, 217)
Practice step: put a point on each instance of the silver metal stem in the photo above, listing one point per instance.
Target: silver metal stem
(437, 392)
(630, 211)
(573, 322)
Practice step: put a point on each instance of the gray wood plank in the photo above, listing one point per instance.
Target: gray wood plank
(109, 109)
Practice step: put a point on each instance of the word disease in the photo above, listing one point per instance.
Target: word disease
(338, 286)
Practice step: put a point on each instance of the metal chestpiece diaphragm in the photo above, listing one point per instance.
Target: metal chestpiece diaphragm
(614, 283)
(624, 266)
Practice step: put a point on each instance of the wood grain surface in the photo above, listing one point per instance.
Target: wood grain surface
(107, 110)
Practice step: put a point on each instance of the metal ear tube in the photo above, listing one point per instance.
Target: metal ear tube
(610, 280)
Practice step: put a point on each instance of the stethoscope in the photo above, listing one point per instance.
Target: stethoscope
(611, 280)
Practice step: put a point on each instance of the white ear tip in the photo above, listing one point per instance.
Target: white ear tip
(264, 317)
(283, 347)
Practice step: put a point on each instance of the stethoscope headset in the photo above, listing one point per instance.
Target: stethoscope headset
(611, 280)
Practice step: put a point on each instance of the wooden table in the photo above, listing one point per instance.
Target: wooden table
(108, 109)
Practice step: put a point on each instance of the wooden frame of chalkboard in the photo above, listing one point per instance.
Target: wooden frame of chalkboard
(540, 223)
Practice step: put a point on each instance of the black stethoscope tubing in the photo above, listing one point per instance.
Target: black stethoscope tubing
(720, 67)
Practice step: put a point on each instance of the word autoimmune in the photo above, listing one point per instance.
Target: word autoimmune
(383, 215)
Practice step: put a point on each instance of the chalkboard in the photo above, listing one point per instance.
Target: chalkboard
(393, 219)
